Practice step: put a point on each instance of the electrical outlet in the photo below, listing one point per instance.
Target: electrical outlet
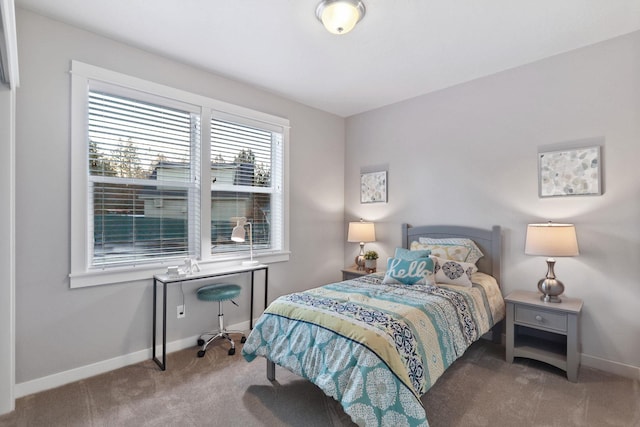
(181, 312)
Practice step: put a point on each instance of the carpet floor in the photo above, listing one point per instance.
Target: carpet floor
(480, 389)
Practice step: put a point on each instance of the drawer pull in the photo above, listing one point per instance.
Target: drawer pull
(539, 318)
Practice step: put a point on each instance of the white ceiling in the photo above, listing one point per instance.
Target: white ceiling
(401, 49)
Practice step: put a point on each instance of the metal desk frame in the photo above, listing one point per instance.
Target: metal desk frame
(166, 280)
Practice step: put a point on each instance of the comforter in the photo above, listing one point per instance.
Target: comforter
(376, 348)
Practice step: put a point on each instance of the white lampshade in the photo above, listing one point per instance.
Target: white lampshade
(361, 231)
(238, 234)
(551, 240)
(340, 16)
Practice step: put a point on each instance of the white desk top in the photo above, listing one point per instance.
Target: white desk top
(204, 273)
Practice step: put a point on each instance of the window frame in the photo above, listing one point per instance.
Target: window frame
(82, 274)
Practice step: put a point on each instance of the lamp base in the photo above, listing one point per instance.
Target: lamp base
(550, 289)
(550, 286)
(360, 262)
(250, 263)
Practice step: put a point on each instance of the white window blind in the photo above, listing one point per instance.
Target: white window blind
(143, 169)
(245, 182)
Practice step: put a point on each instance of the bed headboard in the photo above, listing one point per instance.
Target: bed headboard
(489, 242)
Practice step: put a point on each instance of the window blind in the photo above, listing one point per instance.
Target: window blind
(243, 161)
(143, 180)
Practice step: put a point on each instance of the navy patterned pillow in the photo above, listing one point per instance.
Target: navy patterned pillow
(451, 272)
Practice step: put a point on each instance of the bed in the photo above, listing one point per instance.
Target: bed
(377, 346)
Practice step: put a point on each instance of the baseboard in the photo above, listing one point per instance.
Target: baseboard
(83, 372)
(616, 368)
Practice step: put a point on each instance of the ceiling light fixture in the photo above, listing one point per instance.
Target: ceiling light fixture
(340, 16)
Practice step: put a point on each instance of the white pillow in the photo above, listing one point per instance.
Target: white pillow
(451, 272)
(456, 249)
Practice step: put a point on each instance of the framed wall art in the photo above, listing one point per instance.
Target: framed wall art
(373, 187)
(575, 172)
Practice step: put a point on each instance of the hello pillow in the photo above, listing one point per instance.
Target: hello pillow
(409, 272)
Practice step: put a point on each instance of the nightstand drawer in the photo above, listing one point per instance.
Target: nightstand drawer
(541, 318)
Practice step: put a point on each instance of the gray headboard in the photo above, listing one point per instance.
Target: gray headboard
(489, 242)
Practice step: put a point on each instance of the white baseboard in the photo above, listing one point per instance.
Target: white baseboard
(83, 372)
(616, 368)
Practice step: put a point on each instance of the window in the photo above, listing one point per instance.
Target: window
(246, 178)
(152, 185)
(143, 187)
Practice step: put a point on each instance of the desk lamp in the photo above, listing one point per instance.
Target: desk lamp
(239, 235)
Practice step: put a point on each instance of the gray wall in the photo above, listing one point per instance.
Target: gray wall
(59, 329)
(467, 155)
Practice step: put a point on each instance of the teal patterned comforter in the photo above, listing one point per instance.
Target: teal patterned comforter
(376, 348)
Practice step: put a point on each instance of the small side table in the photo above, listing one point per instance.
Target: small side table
(544, 331)
(352, 273)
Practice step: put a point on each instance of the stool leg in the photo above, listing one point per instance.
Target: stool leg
(222, 333)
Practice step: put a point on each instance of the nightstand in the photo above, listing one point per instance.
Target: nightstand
(352, 273)
(544, 331)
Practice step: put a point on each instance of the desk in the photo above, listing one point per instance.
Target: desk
(167, 280)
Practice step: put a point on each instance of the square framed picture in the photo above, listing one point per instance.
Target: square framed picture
(575, 172)
(373, 187)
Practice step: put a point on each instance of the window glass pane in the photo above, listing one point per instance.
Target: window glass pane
(134, 223)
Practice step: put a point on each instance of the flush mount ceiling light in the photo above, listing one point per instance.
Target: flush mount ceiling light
(340, 16)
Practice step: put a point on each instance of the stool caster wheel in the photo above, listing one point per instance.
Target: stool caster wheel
(201, 353)
(243, 339)
(200, 342)
(232, 351)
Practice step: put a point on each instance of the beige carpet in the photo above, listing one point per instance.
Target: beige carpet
(480, 389)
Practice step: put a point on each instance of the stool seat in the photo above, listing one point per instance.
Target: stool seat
(218, 292)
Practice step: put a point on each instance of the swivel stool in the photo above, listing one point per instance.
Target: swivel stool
(219, 293)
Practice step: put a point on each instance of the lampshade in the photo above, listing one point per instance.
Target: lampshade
(551, 240)
(238, 234)
(340, 16)
(361, 232)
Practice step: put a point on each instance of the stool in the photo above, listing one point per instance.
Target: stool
(219, 293)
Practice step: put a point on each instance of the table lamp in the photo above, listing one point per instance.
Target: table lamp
(239, 235)
(362, 232)
(551, 240)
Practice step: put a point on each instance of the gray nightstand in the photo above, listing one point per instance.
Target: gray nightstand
(548, 332)
(352, 273)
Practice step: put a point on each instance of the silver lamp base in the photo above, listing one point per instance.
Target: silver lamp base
(550, 286)
(360, 258)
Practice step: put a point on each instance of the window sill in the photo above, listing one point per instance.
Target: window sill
(112, 276)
